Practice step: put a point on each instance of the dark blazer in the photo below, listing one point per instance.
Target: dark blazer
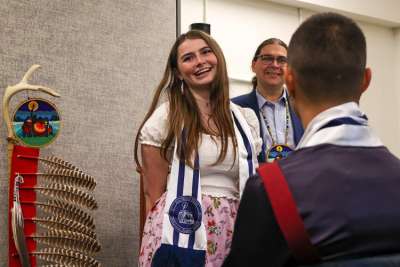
(345, 196)
(250, 101)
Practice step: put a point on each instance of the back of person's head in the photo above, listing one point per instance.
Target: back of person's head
(327, 54)
(266, 42)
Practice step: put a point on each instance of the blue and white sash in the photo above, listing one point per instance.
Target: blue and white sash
(184, 239)
(343, 125)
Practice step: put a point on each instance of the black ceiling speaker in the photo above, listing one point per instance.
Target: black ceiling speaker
(205, 27)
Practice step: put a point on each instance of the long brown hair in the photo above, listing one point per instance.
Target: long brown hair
(183, 109)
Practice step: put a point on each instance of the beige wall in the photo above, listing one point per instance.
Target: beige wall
(104, 57)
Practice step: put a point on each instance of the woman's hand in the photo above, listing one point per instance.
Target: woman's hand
(154, 171)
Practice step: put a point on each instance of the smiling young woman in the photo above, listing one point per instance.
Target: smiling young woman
(202, 148)
(197, 65)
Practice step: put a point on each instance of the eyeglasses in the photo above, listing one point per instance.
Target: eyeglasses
(268, 59)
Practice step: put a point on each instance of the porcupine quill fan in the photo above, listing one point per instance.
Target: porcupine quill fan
(16, 210)
(70, 229)
(60, 223)
(68, 240)
(64, 210)
(66, 193)
(53, 161)
(66, 257)
(65, 214)
(67, 177)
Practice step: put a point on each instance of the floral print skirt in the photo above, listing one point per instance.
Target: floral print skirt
(219, 218)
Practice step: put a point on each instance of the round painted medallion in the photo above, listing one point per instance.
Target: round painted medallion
(36, 122)
(278, 152)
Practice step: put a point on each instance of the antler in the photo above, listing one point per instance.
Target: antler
(12, 90)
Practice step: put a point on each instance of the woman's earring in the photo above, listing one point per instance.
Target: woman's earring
(182, 84)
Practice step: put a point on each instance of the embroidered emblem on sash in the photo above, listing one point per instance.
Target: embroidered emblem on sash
(185, 214)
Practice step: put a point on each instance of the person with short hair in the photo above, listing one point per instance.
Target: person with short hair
(280, 128)
(335, 198)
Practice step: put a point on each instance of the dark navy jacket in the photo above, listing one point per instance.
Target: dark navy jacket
(348, 198)
(250, 101)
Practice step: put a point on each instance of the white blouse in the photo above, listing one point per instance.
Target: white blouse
(220, 180)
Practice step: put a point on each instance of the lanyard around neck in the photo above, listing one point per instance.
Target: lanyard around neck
(267, 125)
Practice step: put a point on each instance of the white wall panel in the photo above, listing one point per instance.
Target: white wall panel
(239, 26)
(381, 100)
(239, 87)
(191, 12)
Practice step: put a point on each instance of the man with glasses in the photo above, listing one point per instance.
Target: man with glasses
(335, 198)
(280, 128)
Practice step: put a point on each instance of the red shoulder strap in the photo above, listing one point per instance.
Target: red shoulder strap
(286, 213)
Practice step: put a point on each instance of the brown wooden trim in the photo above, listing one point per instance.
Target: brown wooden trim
(142, 215)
